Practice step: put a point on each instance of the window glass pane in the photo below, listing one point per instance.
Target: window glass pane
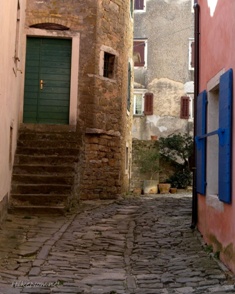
(139, 53)
(139, 4)
(138, 105)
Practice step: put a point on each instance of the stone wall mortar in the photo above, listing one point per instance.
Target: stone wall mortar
(102, 102)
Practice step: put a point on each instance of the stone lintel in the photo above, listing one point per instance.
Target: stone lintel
(93, 131)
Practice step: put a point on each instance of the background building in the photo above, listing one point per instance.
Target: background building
(164, 69)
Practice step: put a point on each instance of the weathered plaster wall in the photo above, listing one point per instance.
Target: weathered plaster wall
(104, 25)
(216, 219)
(10, 85)
(167, 26)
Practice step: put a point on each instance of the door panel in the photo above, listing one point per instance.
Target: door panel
(49, 61)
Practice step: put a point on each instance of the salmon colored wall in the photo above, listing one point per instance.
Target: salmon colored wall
(10, 90)
(217, 52)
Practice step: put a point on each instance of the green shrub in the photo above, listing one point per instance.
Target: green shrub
(177, 149)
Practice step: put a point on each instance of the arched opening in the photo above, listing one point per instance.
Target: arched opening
(50, 26)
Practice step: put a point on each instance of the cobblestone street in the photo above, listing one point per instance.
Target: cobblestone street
(135, 245)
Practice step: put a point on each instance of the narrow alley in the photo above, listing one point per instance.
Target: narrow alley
(135, 245)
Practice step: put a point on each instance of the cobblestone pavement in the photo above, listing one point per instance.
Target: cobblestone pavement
(138, 245)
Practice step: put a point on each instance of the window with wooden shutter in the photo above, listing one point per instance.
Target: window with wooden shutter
(201, 143)
(225, 136)
(204, 131)
(129, 87)
(139, 4)
(139, 48)
(184, 107)
(148, 103)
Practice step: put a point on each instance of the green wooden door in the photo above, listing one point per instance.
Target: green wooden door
(47, 81)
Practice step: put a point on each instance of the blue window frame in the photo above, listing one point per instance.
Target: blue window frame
(224, 133)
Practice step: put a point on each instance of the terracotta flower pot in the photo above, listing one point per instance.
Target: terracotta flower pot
(150, 186)
(164, 188)
(173, 190)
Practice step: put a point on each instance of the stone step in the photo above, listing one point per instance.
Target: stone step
(51, 189)
(36, 210)
(54, 170)
(47, 143)
(34, 136)
(39, 199)
(59, 151)
(49, 159)
(42, 179)
(44, 168)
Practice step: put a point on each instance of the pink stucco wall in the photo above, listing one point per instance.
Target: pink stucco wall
(10, 89)
(217, 52)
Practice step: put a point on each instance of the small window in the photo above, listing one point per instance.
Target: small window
(127, 159)
(138, 104)
(191, 54)
(184, 107)
(139, 4)
(10, 146)
(140, 53)
(109, 60)
(129, 87)
(131, 8)
(192, 5)
(148, 104)
(191, 106)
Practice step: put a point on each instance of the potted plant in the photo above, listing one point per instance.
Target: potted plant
(149, 166)
(164, 188)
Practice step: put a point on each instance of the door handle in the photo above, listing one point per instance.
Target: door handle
(41, 84)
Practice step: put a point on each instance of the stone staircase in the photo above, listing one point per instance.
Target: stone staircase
(44, 171)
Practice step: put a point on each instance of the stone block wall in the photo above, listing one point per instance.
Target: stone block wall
(102, 167)
(108, 131)
(104, 26)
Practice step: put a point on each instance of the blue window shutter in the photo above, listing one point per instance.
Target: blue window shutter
(225, 135)
(201, 143)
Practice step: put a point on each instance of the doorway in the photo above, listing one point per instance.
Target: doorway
(47, 81)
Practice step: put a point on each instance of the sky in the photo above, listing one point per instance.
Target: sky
(212, 5)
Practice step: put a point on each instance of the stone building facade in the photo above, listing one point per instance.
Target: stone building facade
(101, 33)
(163, 40)
(90, 45)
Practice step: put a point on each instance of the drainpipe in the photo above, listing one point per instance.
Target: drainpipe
(196, 92)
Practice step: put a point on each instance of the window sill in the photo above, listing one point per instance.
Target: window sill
(103, 78)
(139, 10)
(142, 67)
(138, 115)
(213, 201)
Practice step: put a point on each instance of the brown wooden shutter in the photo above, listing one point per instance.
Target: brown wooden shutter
(192, 54)
(139, 4)
(139, 49)
(184, 107)
(148, 103)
